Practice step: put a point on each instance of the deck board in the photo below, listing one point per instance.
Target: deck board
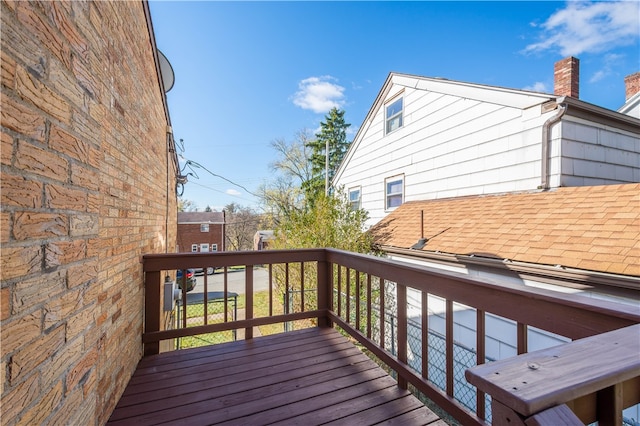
(311, 376)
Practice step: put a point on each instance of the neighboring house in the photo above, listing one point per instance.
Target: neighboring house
(262, 240)
(201, 231)
(427, 138)
(89, 172)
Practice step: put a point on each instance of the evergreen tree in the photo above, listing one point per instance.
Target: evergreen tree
(333, 133)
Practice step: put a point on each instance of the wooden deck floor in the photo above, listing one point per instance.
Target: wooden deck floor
(311, 377)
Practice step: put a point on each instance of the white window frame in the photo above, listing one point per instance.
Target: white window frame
(393, 195)
(355, 203)
(194, 248)
(214, 247)
(204, 246)
(395, 117)
(204, 227)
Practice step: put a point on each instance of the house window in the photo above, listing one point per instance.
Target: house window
(204, 247)
(204, 227)
(394, 116)
(214, 247)
(194, 247)
(354, 198)
(394, 191)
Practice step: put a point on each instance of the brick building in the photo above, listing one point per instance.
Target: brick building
(88, 178)
(201, 231)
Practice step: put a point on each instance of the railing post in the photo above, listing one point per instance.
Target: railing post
(324, 288)
(248, 301)
(152, 320)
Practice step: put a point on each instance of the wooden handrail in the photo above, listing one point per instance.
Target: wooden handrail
(534, 382)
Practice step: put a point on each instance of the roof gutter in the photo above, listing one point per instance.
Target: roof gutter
(557, 272)
(546, 143)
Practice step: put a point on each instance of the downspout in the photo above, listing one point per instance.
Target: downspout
(546, 143)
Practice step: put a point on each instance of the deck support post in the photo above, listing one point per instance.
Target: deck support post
(152, 286)
(324, 287)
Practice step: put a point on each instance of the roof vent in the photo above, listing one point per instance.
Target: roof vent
(420, 244)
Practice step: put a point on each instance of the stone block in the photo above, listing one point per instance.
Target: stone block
(20, 261)
(65, 198)
(29, 357)
(84, 225)
(33, 225)
(22, 119)
(64, 252)
(20, 332)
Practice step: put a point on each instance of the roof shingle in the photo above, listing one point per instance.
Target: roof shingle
(594, 228)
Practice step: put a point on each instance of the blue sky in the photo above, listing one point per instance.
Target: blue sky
(247, 73)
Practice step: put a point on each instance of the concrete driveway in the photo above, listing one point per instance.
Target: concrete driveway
(235, 281)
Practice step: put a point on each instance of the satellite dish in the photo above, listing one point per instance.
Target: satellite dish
(166, 71)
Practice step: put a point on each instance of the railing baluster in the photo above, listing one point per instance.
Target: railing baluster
(248, 308)
(401, 291)
(425, 334)
(449, 346)
(205, 299)
(480, 359)
(339, 290)
(369, 306)
(287, 296)
(302, 286)
(226, 289)
(348, 294)
(184, 298)
(270, 289)
(522, 339)
(382, 312)
(358, 301)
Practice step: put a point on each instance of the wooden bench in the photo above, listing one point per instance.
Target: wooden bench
(579, 382)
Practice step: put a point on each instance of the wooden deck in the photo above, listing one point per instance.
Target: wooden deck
(312, 376)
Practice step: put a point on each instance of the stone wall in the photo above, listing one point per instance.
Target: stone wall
(88, 186)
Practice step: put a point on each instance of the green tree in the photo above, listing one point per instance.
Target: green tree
(333, 134)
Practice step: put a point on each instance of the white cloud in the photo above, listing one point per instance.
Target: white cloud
(589, 27)
(538, 86)
(232, 192)
(611, 60)
(319, 94)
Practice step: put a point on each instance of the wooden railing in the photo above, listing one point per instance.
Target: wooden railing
(360, 293)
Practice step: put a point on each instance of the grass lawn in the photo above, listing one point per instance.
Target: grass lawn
(195, 317)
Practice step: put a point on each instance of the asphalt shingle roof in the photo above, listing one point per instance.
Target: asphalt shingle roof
(593, 228)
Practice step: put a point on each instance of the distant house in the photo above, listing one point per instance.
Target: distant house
(429, 138)
(262, 240)
(201, 231)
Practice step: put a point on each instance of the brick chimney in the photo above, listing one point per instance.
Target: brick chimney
(566, 76)
(632, 85)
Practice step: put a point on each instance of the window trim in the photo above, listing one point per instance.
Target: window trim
(214, 247)
(387, 181)
(400, 114)
(204, 227)
(359, 201)
(194, 248)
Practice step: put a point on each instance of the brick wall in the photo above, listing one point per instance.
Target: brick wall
(87, 187)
